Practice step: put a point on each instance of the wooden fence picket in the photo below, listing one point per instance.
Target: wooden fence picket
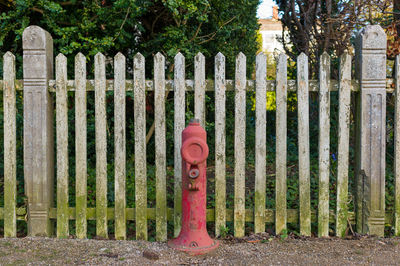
(160, 147)
(179, 125)
(343, 145)
(260, 143)
(220, 182)
(119, 146)
(397, 149)
(10, 148)
(62, 147)
(281, 146)
(240, 144)
(101, 145)
(140, 147)
(80, 146)
(304, 144)
(323, 154)
(199, 88)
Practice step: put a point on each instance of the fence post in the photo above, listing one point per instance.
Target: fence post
(370, 138)
(38, 129)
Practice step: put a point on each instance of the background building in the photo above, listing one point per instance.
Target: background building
(271, 31)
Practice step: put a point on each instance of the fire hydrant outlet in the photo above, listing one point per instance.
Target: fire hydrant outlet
(194, 238)
(194, 173)
(194, 151)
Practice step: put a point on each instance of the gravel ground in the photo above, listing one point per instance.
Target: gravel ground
(51, 251)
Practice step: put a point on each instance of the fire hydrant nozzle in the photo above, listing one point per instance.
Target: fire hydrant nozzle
(194, 173)
(193, 237)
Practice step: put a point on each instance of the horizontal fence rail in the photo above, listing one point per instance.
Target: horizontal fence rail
(209, 85)
(372, 216)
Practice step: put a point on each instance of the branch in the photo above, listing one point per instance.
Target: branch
(37, 10)
(155, 20)
(199, 27)
(122, 25)
(215, 32)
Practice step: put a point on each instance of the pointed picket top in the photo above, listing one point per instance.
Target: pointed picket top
(325, 54)
(178, 56)
(8, 64)
(240, 59)
(138, 61)
(100, 68)
(240, 56)
(159, 57)
(179, 71)
(220, 63)
(79, 56)
(61, 70)
(260, 54)
(220, 66)
(344, 59)
(220, 56)
(138, 56)
(261, 57)
(325, 58)
(345, 54)
(60, 57)
(302, 56)
(80, 67)
(199, 57)
(240, 73)
(282, 58)
(119, 56)
(99, 56)
(8, 56)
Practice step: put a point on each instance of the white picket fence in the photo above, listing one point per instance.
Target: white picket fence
(40, 207)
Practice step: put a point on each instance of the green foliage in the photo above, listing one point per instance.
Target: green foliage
(224, 231)
(131, 26)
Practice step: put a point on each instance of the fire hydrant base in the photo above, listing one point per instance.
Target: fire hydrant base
(194, 250)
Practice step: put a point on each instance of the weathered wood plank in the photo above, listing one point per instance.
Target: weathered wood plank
(292, 215)
(10, 148)
(160, 147)
(261, 143)
(101, 145)
(179, 125)
(119, 143)
(62, 146)
(240, 144)
(220, 183)
(80, 145)
(229, 84)
(199, 88)
(304, 144)
(397, 149)
(140, 147)
(343, 144)
(323, 154)
(281, 146)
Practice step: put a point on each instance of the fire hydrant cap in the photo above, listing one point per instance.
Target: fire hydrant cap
(194, 150)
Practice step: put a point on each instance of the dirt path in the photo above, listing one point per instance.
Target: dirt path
(331, 251)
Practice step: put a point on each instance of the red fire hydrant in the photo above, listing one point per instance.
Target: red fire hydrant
(194, 238)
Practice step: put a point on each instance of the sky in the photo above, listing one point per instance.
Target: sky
(265, 9)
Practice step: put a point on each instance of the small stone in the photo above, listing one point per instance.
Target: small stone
(151, 255)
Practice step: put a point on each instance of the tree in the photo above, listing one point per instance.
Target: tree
(316, 26)
(130, 26)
